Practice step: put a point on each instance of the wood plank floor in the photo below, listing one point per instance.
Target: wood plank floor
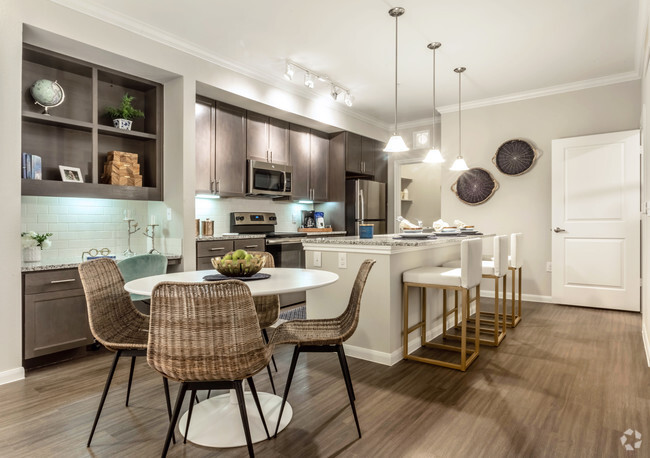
(566, 382)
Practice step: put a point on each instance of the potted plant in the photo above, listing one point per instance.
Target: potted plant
(33, 243)
(124, 114)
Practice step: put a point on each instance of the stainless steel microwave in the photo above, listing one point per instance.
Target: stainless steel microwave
(267, 179)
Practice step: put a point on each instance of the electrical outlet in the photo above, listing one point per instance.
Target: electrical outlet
(549, 266)
(169, 214)
(317, 259)
(343, 260)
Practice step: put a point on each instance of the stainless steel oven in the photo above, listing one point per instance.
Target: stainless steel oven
(286, 247)
(267, 179)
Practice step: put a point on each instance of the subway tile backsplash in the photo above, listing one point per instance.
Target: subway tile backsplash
(78, 224)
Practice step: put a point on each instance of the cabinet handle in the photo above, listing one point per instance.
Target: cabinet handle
(212, 186)
(67, 280)
(251, 246)
(271, 156)
(217, 249)
(218, 186)
(363, 166)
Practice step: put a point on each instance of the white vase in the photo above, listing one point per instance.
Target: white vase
(123, 124)
(32, 254)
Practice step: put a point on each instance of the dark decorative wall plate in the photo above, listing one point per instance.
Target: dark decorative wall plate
(515, 157)
(475, 186)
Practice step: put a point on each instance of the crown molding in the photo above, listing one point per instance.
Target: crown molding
(424, 122)
(544, 92)
(161, 36)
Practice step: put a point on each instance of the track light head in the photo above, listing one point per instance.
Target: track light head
(349, 100)
(309, 80)
(334, 92)
(288, 74)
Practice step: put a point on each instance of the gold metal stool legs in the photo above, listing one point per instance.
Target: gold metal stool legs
(466, 358)
(515, 317)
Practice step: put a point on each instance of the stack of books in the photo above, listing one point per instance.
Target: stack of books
(31, 167)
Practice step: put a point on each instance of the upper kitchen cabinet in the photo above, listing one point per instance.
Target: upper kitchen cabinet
(220, 148)
(310, 160)
(364, 157)
(267, 139)
(79, 134)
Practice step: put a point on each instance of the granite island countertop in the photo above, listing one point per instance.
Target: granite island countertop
(385, 242)
(72, 263)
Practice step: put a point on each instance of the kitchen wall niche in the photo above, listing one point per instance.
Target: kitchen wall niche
(78, 133)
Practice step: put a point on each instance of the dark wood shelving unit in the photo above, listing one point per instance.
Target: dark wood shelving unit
(78, 133)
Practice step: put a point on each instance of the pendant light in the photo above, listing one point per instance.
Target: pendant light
(396, 142)
(459, 163)
(434, 156)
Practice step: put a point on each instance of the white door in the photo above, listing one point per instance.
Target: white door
(596, 221)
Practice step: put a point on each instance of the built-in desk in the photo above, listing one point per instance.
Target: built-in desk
(379, 335)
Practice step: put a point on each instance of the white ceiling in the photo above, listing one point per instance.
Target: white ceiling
(508, 46)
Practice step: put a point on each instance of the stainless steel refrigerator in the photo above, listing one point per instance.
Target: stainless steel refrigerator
(365, 201)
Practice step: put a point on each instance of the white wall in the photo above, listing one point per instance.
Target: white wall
(645, 196)
(523, 203)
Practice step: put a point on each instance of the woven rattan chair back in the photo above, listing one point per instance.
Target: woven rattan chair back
(349, 319)
(205, 332)
(114, 320)
(268, 307)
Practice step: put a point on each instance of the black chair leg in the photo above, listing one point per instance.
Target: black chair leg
(251, 384)
(348, 384)
(172, 423)
(244, 417)
(169, 403)
(101, 402)
(347, 372)
(268, 368)
(294, 359)
(209, 391)
(189, 415)
(266, 339)
(128, 388)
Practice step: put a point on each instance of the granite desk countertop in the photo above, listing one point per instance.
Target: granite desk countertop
(72, 263)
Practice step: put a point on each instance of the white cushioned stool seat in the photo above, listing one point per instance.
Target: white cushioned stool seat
(487, 266)
(433, 276)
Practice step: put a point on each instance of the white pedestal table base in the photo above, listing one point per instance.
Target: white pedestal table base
(216, 422)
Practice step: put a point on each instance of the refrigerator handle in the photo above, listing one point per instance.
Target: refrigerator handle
(362, 205)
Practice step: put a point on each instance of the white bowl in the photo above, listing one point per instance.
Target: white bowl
(412, 231)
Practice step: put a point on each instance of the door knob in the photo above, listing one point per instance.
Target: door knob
(559, 229)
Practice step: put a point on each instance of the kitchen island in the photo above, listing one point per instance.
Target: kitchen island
(379, 335)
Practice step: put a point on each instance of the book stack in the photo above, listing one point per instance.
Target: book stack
(31, 167)
(122, 169)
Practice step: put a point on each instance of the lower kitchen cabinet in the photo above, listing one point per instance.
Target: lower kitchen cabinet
(54, 313)
(208, 249)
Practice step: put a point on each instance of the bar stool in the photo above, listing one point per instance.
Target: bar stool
(495, 269)
(461, 279)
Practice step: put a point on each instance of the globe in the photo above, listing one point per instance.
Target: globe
(47, 94)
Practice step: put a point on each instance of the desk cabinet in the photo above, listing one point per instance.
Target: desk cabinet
(54, 313)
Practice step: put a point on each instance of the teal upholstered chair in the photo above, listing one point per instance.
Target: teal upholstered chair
(144, 265)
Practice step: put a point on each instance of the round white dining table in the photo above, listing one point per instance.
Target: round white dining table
(216, 421)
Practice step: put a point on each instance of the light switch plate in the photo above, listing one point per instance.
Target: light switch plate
(317, 259)
(343, 260)
(169, 214)
(549, 266)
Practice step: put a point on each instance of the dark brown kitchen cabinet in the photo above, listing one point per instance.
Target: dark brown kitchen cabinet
(381, 163)
(54, 313)
(267, 139)
(310, 160)
(319, 166)
(352, 152)
(368, 154)
(208, 249)
(360, 154)
(220, 148)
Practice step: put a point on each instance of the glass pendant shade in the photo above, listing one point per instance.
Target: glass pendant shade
(434, 156)
(396, 145)
(459, 165)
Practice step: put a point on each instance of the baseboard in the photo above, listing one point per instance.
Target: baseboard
(366, 354)
(12, 375)
(524, 297)
(646, 342)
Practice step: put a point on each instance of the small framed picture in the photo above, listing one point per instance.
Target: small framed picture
(71, 174)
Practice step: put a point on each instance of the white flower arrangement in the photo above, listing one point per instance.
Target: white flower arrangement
(32, 239)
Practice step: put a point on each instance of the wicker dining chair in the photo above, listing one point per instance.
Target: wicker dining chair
(207, 336)
(325, 335)
(114, 322)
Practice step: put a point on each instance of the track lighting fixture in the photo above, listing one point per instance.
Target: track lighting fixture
(336, 89)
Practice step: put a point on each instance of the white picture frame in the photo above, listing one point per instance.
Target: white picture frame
(71, 174)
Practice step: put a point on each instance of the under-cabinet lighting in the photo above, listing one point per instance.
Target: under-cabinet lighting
(305, 201)
(207, 196)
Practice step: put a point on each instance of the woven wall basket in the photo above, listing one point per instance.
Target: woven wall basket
(475, 186)
(514, 157)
